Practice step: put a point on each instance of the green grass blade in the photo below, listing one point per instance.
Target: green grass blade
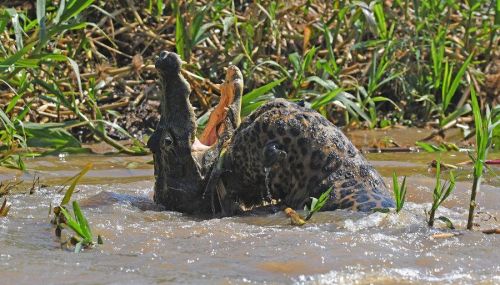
(455, 114)
(294, 59)
(395, 188)
(76, 70)
(24, 112)
(40, 15)
(61, 28)
(326, 98)
(256, 93)
(427, 146)
(71, 189)
(40, 10)
(74, 8)
(381, 23)
(4, 19)
(352, 107)
(403, 192)
(325, 83)
(446, 84)
(456, 81)
(84, 224)
(435, 63)
(480, 136)
(249, 108)
(7, 62)
(54, 90)
(180, 35)
(60, 11)
(449, 188)
(322, 200)
(42, 135)
(13, 101)
(497, 13)
(159, 7)
(329, 46)
(18, 30)
(72, 223)
(306, 63)
(5, 120)
(437, 187)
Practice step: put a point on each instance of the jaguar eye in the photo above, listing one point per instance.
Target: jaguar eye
(273, 153)
(270, 149)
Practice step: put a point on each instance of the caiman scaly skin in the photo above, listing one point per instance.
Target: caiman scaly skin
(305, 155)
(179, 179)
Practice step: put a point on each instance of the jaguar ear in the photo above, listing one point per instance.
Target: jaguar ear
(272, 154)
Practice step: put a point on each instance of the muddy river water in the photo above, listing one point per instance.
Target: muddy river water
(340, 247)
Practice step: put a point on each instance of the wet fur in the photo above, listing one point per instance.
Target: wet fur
(318, 156)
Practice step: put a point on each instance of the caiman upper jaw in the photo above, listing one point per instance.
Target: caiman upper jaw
(168, 63)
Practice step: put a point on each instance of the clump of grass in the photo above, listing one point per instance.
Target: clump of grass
(484, 134)
(448, 90)
(440, 194)
(12, 140)
(399, 191)
(30, 77)
(79, 224)
(76, 221)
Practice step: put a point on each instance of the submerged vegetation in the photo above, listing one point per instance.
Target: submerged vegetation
(63, 219)
(440, 193)
(399, 192)
(484, 134)
(317, 203)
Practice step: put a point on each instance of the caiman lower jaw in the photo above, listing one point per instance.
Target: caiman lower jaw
(230, 101)
(214, 126)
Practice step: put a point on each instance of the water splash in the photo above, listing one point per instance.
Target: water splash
(63, 156)
(267, 181)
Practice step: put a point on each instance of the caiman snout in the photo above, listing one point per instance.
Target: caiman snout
(168, 62)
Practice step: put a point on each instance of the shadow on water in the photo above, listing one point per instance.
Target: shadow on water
(160, 246)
